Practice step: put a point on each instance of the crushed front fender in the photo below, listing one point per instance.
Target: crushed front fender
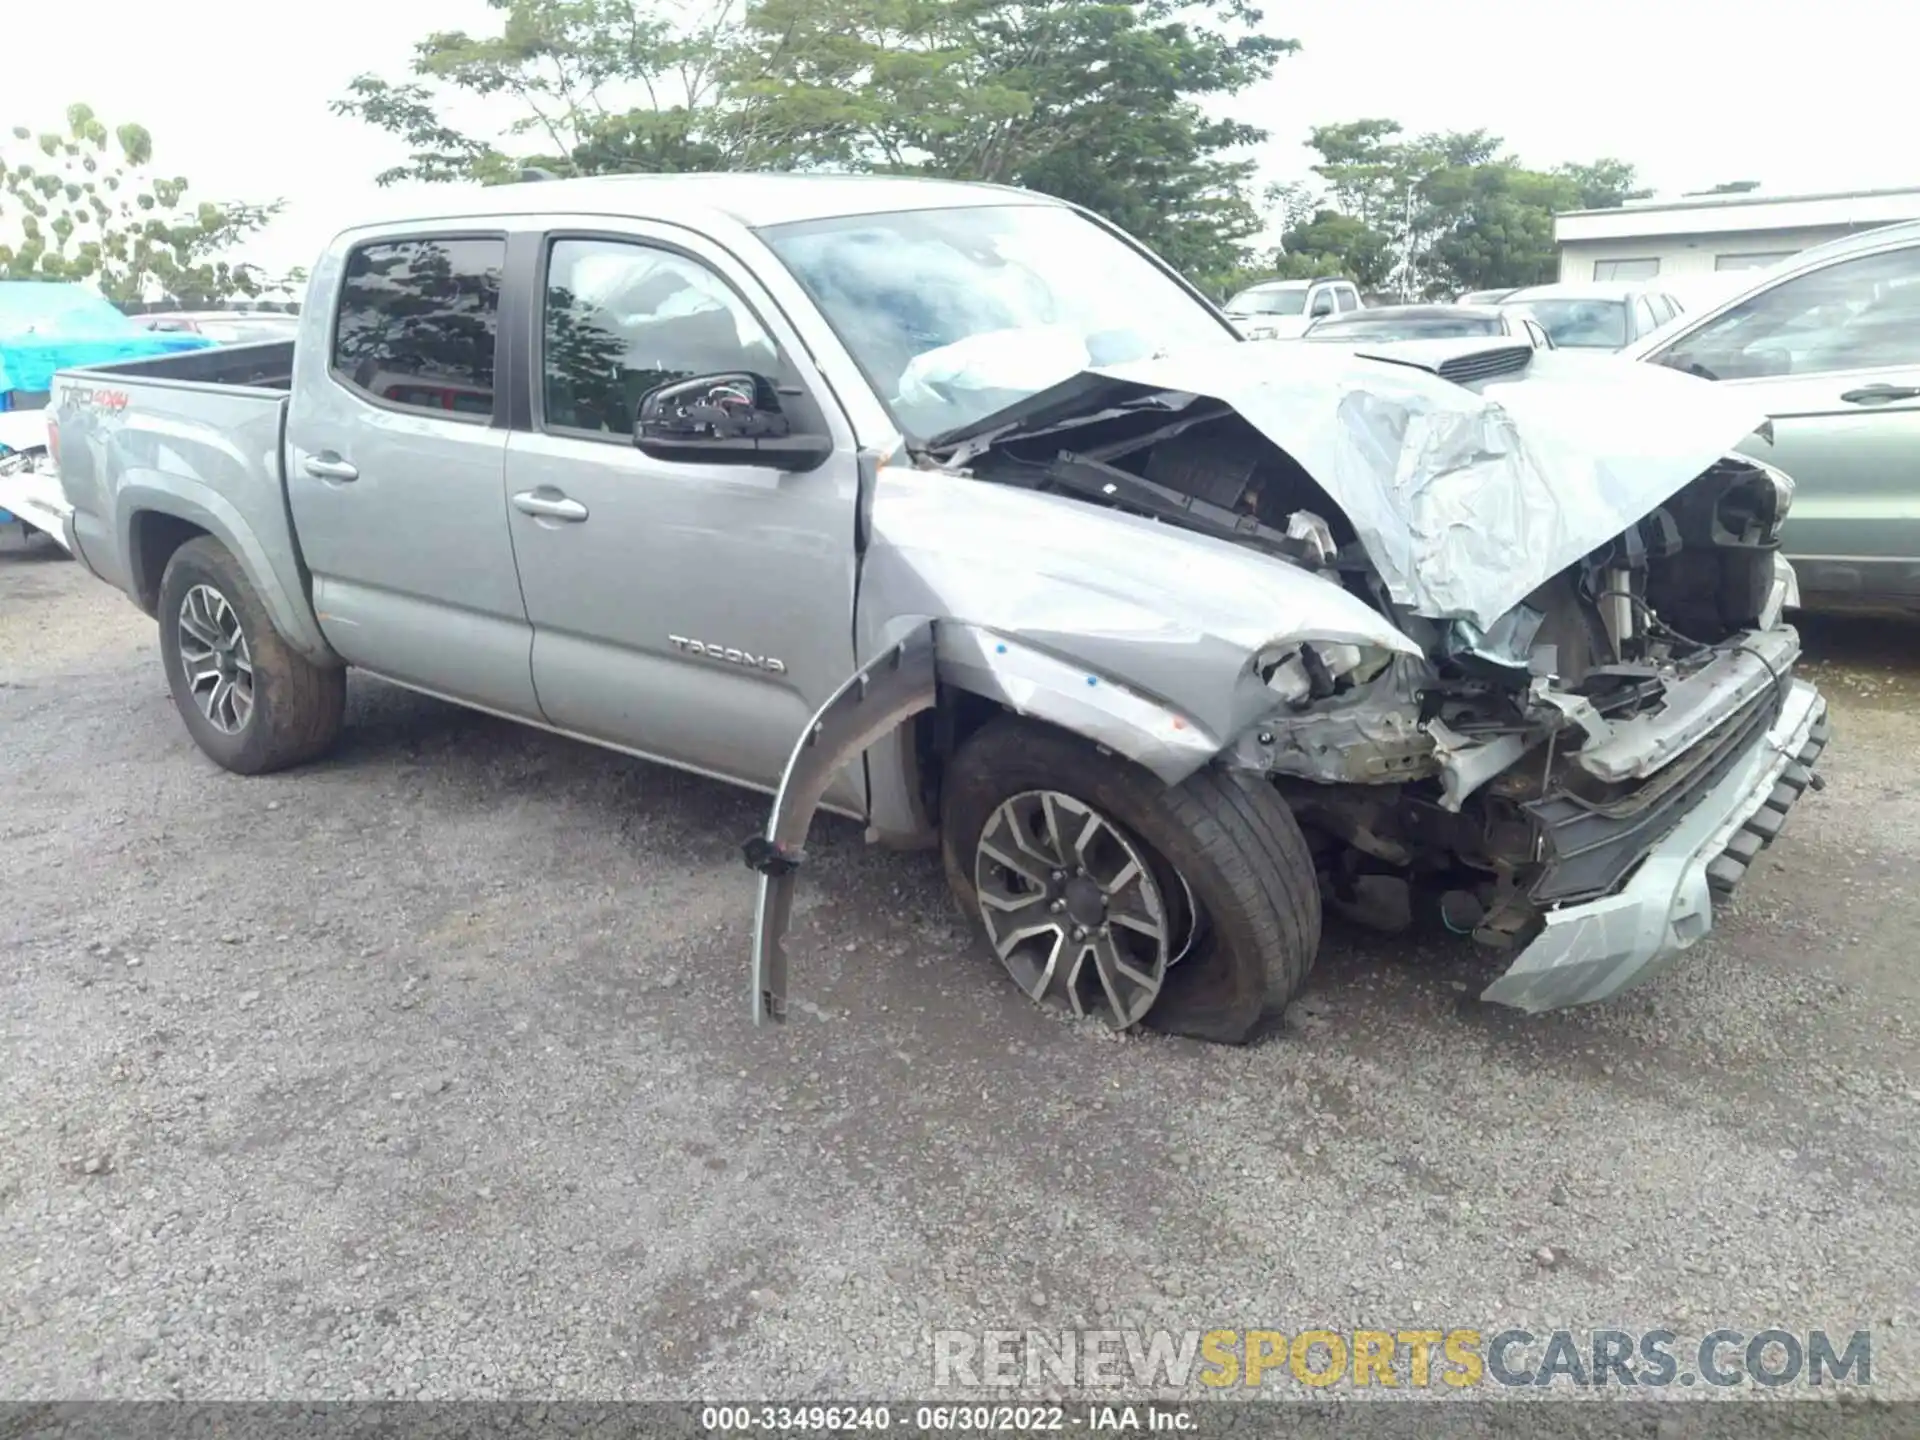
(896, 685)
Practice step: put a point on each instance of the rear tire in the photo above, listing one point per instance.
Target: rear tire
(1228, 836)
(250, 701)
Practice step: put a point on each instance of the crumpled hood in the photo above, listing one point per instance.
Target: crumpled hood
(1466, 500)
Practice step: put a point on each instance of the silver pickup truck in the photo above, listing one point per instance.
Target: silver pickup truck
(951, 509)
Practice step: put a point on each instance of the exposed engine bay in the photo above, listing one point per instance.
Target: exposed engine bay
(1512, 766)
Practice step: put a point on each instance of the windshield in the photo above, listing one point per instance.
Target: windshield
(954, 314)
(1442, 327)
(1289, 301)
(1582, 324)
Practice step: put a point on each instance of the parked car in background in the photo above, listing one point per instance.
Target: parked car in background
(1828, 345)
(1596, 315)
(1151, 652)
(1483, 297)
(226, 327)
(1431, 322)
(1282, 309)
(46, 326)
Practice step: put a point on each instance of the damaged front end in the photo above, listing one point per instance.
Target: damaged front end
(1511, 648)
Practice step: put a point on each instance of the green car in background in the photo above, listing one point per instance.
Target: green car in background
(1828, 344)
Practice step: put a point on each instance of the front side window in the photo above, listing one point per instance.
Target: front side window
(1644, 269)
(1861, 314)
(621, 318)
(418, 321)
(1644, 323)
(954, 314)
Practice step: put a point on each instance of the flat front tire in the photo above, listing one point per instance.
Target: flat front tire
(250, 701)
(1191, 908)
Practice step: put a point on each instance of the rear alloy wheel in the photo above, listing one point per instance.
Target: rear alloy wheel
(250, 700)
(1072, 907)
(213, 651)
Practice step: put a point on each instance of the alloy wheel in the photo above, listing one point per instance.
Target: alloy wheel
(1073, 906)
(215, 658)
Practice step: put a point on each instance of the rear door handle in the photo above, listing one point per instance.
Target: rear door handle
(551, 506)
(329, 466)
(1881, 394)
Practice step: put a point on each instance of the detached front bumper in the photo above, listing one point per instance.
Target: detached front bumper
(1594, 950)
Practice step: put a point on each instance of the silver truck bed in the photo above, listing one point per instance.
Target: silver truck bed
(194, 438)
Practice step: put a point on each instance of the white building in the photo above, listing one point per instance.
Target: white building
(1704, 234)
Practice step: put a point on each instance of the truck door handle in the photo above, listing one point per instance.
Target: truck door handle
(329, 466)
(1881, 394)
(551, 506)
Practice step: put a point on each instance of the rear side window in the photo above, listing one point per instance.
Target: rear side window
(418, 323)
(1347, 297)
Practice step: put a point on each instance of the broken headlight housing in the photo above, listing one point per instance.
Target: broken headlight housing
(1312, 671)
(1782, 491)
(1756, 508)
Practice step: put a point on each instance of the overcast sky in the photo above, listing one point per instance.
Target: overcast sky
(1693, 92)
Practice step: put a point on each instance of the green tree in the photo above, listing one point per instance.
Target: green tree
(83, 204)
(1096, 101)
(1335, 244)
(1491, 225)
(1431, 215)
(600, 86)
(1603, 184)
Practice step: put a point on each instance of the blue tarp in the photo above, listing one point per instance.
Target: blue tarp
(46, 327)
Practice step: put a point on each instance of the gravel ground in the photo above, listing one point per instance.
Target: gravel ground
(425, 1072)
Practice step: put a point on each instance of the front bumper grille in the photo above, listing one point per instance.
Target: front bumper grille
(1593, 949)
(1589, 847)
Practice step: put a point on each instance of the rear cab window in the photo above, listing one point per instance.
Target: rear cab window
(417, 324)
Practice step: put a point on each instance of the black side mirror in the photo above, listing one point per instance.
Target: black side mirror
(732, 418)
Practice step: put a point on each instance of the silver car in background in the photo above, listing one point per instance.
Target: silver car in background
(1828, 345)
(1383, 323)
(1596, 315)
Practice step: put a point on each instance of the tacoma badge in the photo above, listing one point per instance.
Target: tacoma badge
(730, 655)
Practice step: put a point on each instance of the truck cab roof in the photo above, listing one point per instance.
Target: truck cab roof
(753, 200)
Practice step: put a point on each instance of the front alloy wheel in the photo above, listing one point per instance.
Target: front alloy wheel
(1072, 907)
(214, 654)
